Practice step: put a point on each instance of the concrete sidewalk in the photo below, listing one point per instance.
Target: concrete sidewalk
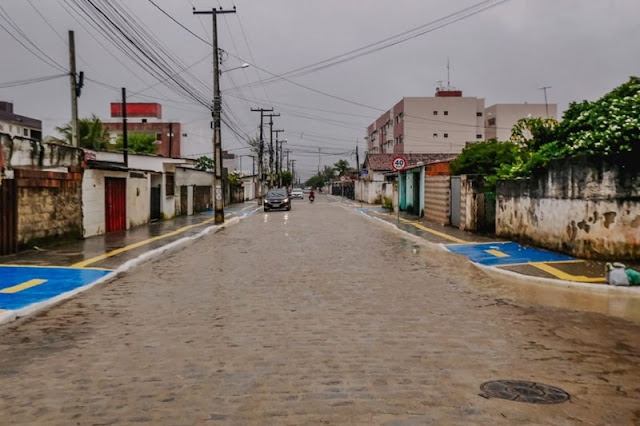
(500, 255)
(40, 277)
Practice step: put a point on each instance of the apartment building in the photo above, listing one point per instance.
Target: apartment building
(18, 125)
(500, 118)
(441, 124)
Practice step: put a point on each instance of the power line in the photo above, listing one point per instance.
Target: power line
(30, 81)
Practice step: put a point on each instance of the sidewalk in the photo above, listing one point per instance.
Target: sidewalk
(40, 277)
(501, 255)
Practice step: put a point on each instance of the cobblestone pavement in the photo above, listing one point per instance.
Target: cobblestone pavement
(314, 316)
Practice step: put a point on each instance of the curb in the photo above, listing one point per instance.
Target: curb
(125, 267)
(589, 288)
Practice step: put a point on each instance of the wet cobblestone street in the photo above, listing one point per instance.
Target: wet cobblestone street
(314, 316)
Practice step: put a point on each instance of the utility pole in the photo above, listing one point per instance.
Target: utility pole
(293, 170)
(75, 138)
(288, 164)
(319, 160)
(261, 150)
(277, 132)
(170, 140)
(281, 158)
(546, 105)
(271, 147)
(217, 105)
(125, 139)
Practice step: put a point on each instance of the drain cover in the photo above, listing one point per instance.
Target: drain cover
(523, 391)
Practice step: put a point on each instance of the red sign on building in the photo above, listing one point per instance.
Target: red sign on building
(137, 109)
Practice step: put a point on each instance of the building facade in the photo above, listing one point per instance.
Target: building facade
(444, 123)
(147, 118)
(500, 118)
(18, 125)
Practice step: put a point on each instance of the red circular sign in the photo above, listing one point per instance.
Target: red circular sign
(399, 164)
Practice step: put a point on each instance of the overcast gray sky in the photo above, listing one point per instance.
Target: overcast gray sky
(581, 48)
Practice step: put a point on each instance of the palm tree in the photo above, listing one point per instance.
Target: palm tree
(342, 167)
(91, 131)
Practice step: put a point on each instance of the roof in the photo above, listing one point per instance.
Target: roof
(382, 162)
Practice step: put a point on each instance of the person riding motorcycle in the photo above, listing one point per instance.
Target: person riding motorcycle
(312, 195)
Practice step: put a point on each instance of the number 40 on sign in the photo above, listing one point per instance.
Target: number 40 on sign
(399, 163)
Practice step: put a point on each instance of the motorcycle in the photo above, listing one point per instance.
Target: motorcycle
(311, 198)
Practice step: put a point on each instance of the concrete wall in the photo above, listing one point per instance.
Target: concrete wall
(49, 205)
(26, 153)
(475, 213)
(437, 199)
(586, 208)
(138, 199)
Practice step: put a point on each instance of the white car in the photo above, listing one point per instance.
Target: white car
(297, 193)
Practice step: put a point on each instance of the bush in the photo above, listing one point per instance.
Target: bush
(387, 203)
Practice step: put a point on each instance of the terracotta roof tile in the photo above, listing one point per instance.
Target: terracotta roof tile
(382, 162)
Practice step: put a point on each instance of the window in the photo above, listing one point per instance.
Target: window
(435, 135)
(25, 132)
(478, 114)
(401, 139)
(491, 122)
(446, 113)
(435, 112)
(170, 184)
(478, 136)
(446, 135)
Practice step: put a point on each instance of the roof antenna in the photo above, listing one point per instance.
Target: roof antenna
(448, 76)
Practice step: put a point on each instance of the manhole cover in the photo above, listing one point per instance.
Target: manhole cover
(523, 391)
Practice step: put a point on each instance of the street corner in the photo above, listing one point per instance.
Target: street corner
(506, 253)
(23, 286)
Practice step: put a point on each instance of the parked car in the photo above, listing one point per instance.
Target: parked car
(297, 193)
(277, 199)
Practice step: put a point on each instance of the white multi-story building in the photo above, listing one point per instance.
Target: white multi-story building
(441, 124)
(500, 118)
(18, 125)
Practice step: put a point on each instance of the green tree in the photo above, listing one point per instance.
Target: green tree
(484, 158)
(342, 167)
(91, 131)
(287, 178)
(139, 143)
(205, 163)
(316, 181)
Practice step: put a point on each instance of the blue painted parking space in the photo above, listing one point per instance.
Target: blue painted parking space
(21, 286)
(505, 253)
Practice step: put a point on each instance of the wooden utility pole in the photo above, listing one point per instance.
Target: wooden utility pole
(261, 151)
(75, 138)
(216, 107)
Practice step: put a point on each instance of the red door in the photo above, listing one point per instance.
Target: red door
(115, 204)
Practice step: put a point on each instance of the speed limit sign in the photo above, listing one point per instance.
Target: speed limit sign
(399, 164)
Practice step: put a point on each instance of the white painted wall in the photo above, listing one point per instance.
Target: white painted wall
(138, 201)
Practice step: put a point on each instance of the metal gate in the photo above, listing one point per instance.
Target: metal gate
(115, 204)
(455, 200)
(155, 203)
(8, 217)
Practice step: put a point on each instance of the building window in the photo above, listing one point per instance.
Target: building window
(435, 112)
(401, 139)
(478, 136)
(170, 184)
(446, 135)
(435, 135)
(446, 113)
(25, 132)
(478, 114)
(491, 122)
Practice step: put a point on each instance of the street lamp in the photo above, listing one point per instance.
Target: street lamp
(245, 65)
